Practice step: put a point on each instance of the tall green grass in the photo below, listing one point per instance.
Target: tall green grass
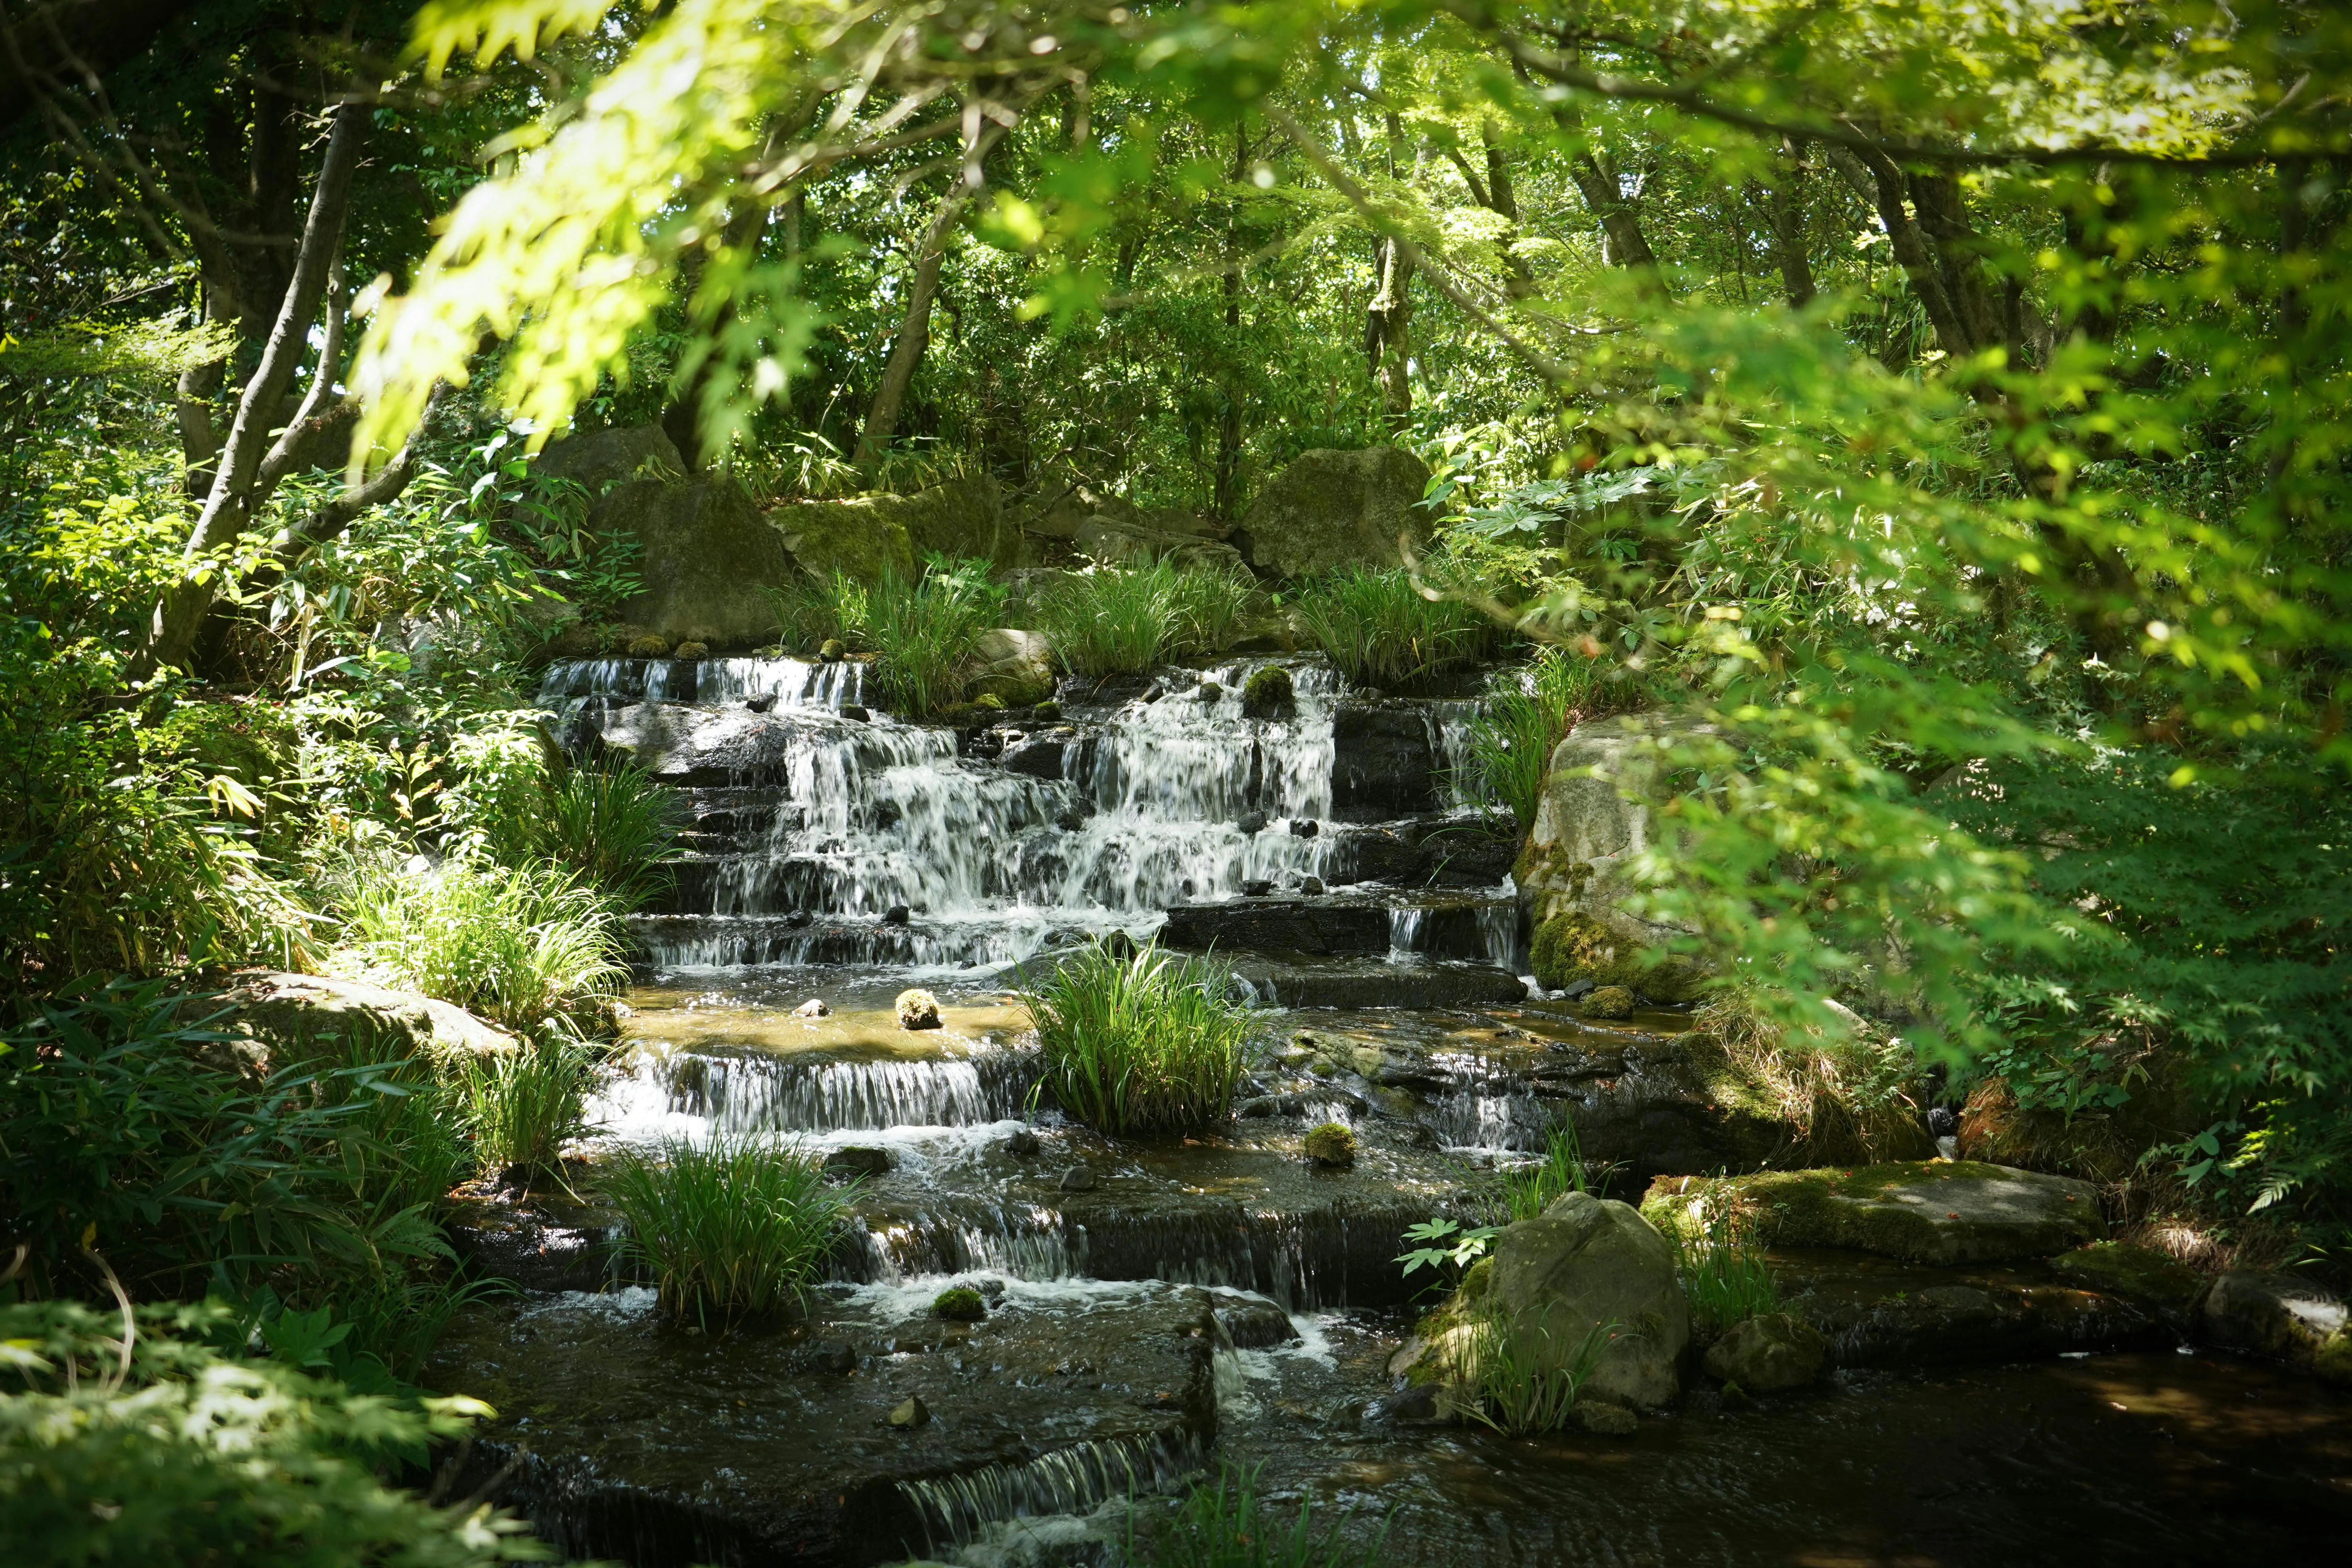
(518, 944)
(1225, 1524)
(1123, 620)
(1526, 1191)
(1720, 1260)
(920, 633)
(1523, 1378)
(519, 1105)
(732, 1229)
(1524, 718)
(1140, 1042)
(614, 828)
(1380, 629)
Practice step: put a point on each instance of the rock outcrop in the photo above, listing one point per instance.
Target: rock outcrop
(1589, 1264)
(296, 1018)
(2287, 1316)
(710, 561)
(1942, 1212)
(599, 460)
(868, 537)
(1767, 1353)
(1014, 666)
(1331, 510)
(1085, 525)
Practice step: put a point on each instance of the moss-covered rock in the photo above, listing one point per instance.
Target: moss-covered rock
(2292, 1317)
(1767, 1353)
(832, 650)
(1269, 693)
(599, 460)
(1609, 1002)
(1335, 509)
(1922, 1212)
(691, 651)
(709, 561)
(1332, 1146)
(648, 646)
(1574, 945)
(286, 1019)
(2142, 1273)
(1015, 668)
(959, 1304)
(862, 539)
(918, 1009)
(1590, 1264)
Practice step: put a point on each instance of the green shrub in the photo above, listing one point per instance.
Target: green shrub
(1526, 715)
(520, 1105)
(922, 634)
(163, 1450)
(1380, 629)
(1123, 620)
(1140, 1042)
(959, 1304)
(731, 1229)
(518, 944)
(815, 610)
(613, 827)
(1527, 1191)
(1226, 1525)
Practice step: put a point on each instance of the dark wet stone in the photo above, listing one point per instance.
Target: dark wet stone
(1039, 757)
(1271, 1105)
(1023, 1144)
(1362, 983)
(1257, 888)
(1252, 822)
(1291, 925)
(1877, 1312)
(1305, 827)
(1382, 764)
(541, 1242)
(896, 915)
(855, 712)
(762, 704)
(1311, 886)
(1255, 1324)
(832, 1355)
(1415, 1404)
(1078, 1179)
(860, 1161)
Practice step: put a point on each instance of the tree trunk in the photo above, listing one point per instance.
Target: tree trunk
(1623, 242)
(1387, 320)
(1785, 205)
(236, 493)
(1880, 183)
(1225, 494)
(914, 337)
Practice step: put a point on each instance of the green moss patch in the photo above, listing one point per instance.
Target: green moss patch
(959, 1304)
(1332, 1144)
(1918, 1211)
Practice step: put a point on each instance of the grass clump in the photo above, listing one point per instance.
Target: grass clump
(1526, 715)
(732, 1229)
(1519, 1377)
(1224, 1524)
(1847, 1095)
(521, 945)
(520, 1105)
(611, 827)
(1332, 1144)
(959, 1304)
(1380, 628)
(1719, 1258)
(1139, 1042)
(1526, 1191)
(920, 633)
(1123, 620)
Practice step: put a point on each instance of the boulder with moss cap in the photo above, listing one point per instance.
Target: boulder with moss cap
(1590, 1264)
(1939, 1211)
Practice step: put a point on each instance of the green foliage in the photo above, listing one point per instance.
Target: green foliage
(1524, 1192)
(1521, 1377)
(1381, 629)
(1526, 715)
(1225, 1524)
(1139, 1042)
(520, 944)
(1449, 1244)
(613, 827)
(1124, 620)
(138, 1442)
(815, 610)
(731, 1229)
(520, 1105)
(922, 635)
(1719, 1258)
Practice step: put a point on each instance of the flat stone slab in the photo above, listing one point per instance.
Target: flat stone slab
(1876, 1312)
(1275, 982)
(1942, 1212)
(1314, 925)
(636, 1440)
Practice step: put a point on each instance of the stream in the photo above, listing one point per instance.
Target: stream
(1157, 1307)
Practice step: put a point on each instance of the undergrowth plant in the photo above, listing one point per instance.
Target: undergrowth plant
(1380, 628)
(518, 944)
(1226, 1524)
(1849, 1093)
(1525, 716)
(1522, 1377)
(1123, 620)
(520, 1105)
(1524, 1192)
(815, 609)
(922, 633)
(614, 827)
(1144, 1041)
(732, 1229)
(1719, 1258)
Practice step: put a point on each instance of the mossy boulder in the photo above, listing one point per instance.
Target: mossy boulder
(1015, 668)
(285, 1019)
(599, 460)
(1609, 1002)
(918, 1009)
(1332, 1146)
(709, 564)
(959, 1304)
(691, 651)
(648, 645)
(1574, 945)
(1269, 693)
(2288, 1315)
(1767, 1353)
(862, 539)
(1333, 508)
(2141, 1273)
(1588, 1265)
(1941, 1212)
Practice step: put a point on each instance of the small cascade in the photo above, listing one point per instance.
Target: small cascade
(964, 1236)
(706, 682)
(755, 1093)
(1074, 1480)
(1483, 928)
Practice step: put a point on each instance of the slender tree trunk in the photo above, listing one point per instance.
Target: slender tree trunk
(1623, 243)
(1785, 205)
(1881, 184)
(1225, 494)
(1387, 320)
(236, 493)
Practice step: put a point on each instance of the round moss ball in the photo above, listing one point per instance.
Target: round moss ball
(691, 651)
(648, 647)
(1609, 1002)
(833, 651)
(1267, 694)
(1332, 1146)
(917, 1010)
(1049, 708)
(990, 700)
(959, 1304)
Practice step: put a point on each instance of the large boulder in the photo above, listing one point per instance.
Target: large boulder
(1016, 668)
(1595, 816)
(1114, 531)
(710, 561)
(600, 460)
(1941, 1211)
(869, 537)
(1331, 510)
(297, 1018)
(2288, 1315)
(1588, 1263)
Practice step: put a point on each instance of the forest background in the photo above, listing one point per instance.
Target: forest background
(1947, 403)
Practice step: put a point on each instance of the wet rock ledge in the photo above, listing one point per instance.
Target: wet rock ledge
(630, 1438)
